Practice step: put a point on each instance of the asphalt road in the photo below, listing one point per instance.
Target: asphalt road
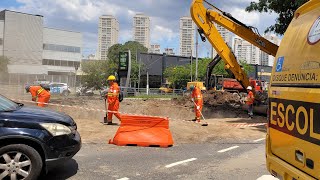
(218, 160)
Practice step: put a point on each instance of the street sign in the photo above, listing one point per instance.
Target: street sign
(123, 61)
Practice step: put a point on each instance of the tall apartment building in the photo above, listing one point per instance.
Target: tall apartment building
(141, 29)
(225, 34)
(187, 33)
(108, 35)
(155, 48)
(245, 51)
(169, 51)
(266, 59)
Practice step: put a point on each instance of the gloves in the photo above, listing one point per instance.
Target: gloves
(198, 107)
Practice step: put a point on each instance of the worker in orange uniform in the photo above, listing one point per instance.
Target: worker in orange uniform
(249, 101)
(198, 101)
(113, 100)
(41, 92)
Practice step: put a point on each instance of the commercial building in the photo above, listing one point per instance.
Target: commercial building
(108, 35)
(36, 50)
(141, 29)
(169, 51)
(156, 64)
(266, 59)
(187, 33)
(155, 48)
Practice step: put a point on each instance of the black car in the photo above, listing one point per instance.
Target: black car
(33, 140)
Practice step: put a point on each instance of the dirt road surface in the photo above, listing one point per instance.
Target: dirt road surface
(223, 120)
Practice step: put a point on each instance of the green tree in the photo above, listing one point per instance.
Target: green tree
(284, 8)
(134, 47)
(180, 75)
(95, 73)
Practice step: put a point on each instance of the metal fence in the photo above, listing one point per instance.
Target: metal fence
(22, 79)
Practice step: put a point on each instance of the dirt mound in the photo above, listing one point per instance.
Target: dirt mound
(217, 104)
(213, 99)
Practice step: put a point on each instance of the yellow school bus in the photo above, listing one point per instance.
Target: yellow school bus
(293, 136)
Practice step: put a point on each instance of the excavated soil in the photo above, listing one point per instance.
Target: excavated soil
(221, 111)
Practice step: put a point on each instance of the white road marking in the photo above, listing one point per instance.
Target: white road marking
(257, 140)
(180, 162)
(228, 149)
(125, 178)
(267, 177)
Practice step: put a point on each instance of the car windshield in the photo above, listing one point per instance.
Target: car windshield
(7, 105)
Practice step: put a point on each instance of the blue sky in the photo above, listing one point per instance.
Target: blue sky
(83, 15)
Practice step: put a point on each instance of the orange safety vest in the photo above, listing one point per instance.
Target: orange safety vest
(113, 93)
(35, 91)
(196, 94)
(250, 98)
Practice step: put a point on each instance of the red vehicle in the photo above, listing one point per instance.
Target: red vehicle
(230, 84)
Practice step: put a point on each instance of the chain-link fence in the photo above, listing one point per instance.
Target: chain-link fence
(22, 79)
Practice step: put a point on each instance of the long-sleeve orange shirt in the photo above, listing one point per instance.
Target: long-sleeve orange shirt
(113, 93)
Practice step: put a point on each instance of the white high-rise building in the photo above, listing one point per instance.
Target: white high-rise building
(225, 34)
(245, 51)
(237, 46)
(266, 59)
(141, 29)
(187, 29)
(169, 51)
(155, 48)
(108, 35)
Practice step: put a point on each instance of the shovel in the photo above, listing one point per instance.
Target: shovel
(205, 123)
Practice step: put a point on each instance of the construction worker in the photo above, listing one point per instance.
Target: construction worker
(249, 101)
(41, 92)
(197, 100)
(113, 99)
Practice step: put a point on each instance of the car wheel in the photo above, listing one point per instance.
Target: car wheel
(19, 161)
(65, 93)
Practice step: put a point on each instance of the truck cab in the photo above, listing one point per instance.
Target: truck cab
(293, 134)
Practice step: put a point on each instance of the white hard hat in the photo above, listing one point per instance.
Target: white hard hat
(249, 88)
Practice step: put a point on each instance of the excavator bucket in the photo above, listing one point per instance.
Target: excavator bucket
(147, 131)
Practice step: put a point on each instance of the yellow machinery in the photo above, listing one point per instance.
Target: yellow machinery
(198, 84)
(293, 135)
(165, 88)
(205, 18)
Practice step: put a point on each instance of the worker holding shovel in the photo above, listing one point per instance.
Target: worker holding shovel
(198, 103)
(112, 98)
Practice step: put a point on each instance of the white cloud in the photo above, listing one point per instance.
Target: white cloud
(252, 18)
(83, 15)
(160, 33)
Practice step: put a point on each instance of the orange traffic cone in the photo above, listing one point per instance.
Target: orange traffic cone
(144, 131)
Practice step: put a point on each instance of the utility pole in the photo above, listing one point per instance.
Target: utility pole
(147, 81)
(191, 65)
(139, 73)
(196, 78)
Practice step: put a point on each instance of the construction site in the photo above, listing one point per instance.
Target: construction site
(224, 112)
(247, 112)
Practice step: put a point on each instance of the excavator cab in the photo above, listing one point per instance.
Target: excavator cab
(216, 82)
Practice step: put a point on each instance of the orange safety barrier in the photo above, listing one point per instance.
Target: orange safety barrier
(147, 131)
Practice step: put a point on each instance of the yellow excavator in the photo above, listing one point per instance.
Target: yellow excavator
(205, 18)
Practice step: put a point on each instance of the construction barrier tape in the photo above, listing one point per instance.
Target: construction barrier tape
(79, 107)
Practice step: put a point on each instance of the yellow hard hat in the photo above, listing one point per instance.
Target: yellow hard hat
(111, 78)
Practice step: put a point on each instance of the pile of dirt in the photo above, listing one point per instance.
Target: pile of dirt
(213, 99)
(219, 98)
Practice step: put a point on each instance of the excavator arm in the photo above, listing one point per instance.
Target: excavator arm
(205, 18)
(210, 67)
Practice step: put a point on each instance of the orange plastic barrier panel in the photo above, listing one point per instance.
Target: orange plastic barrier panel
(145, 131)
